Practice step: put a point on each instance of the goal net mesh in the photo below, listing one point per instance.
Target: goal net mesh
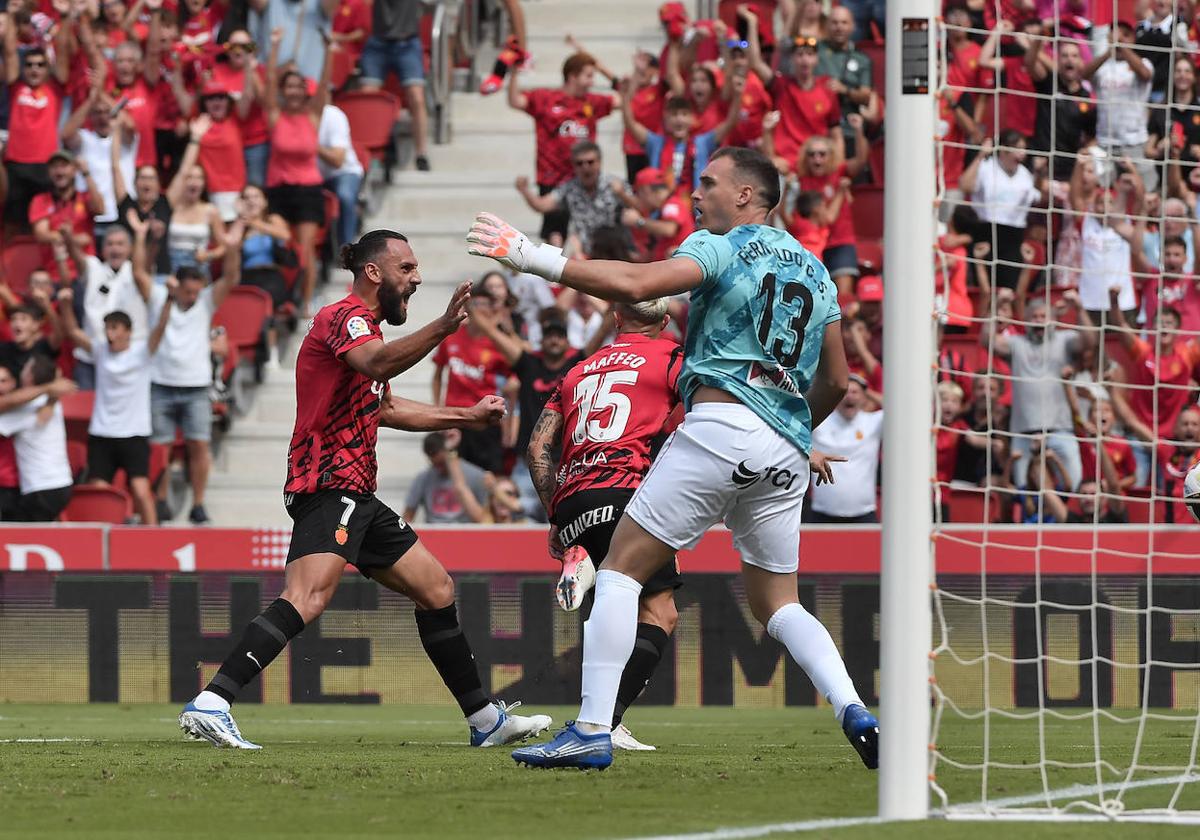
(1065, 674)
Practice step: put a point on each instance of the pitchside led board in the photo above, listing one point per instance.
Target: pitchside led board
(145, 615)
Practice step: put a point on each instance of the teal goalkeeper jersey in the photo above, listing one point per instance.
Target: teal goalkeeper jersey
(756, 323)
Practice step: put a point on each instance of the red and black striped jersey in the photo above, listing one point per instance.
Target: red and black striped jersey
(337, 408)
(561, 122)
(614, 403)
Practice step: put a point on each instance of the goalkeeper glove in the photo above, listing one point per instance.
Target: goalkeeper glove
(491, 236)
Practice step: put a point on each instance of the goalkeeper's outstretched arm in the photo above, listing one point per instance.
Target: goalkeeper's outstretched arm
(612, 280)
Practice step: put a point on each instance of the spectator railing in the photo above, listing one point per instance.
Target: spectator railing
(446, 15)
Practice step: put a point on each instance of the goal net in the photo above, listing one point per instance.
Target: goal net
(1065, 669)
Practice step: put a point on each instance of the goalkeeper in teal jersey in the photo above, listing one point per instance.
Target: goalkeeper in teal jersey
(763, 364)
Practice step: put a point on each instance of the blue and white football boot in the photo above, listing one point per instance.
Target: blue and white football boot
(862, 731)
(570, 748)
(216, 727)
(510, 728)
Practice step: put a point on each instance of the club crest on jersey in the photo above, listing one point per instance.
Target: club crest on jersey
(357, 327)
(341, 535)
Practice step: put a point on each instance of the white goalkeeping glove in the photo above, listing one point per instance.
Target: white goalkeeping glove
(491, 236)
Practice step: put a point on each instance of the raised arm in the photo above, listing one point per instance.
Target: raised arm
(141, 265)
(71, 328)
(987, 53)
(95, 201)
(12, 59)
(545, 438)
(317, 103)
(197, 129)
(537, 203)
(164, 316)
(517, 99)
(734, 112)
(70, 129)
(638, 131)
(612, 280)
(382, 360)
(1034, 66)
(61, 70)
(471, 505)
(511, 347)
(153, 60)
(270, 100)
(862, 146)
(754, 51)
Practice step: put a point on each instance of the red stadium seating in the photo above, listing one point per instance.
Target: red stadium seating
(372, 114)
(22, 256)
(867, 208)
(91, 503)
(870, 256)
(876, 159)
(343, 66)
(245, 315)
(77, 456)
(77, 412)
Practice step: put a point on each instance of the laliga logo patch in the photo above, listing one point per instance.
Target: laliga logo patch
(357, 327)
(341, 535)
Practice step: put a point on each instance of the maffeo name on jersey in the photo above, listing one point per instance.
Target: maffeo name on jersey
(616, 359)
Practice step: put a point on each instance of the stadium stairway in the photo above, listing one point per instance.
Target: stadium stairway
(490, 145)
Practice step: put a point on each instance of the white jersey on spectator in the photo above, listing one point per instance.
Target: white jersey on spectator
(853, 493)
(334, 131)
(107, 291)
(184, 358)
(41, 447)
(122, 391)
(97, 151)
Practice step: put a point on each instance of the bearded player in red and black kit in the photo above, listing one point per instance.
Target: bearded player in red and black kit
(342, 398)
(606, 415)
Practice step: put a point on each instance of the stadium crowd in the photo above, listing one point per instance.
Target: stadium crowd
(164, 159)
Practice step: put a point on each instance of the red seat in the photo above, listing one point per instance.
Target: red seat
(22, 256)
(245, 315)
(972, 505)
(343, 66)
(77, 414)
(867, 210)
(77, 457)
(91, 503)
(870, 256)
(372, 114)
(876, 157)
(333, 209)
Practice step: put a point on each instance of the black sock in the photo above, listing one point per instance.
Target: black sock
(262, 641)
(647, 651)
(500, 69)
(447, 648)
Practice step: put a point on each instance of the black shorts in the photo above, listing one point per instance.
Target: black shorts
(590, 517)
(107, 455)
(298, 204)
(354, 526)
(25, 180)
(555, 221)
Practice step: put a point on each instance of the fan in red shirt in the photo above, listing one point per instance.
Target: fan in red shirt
(63, 208)
(342, 398)
(35, 109)
(647, 95)
(244, 78)
(197, 46)
(221, 155)
(1118, 448)
(1172, 286)
(471, 367)
(563, 117)
(606, 415)
(134, 79)
(753, 103)
(661, 220)
(1160, 372)
(807, 106)
(351, 25)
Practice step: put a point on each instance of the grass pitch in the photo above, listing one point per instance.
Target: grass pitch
(362, 771)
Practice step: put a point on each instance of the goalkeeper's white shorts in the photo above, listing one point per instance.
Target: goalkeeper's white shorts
(725, 464)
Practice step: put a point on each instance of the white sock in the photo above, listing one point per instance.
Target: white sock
(810, 645)
(608, 638)
(485, 719)
(209, 702)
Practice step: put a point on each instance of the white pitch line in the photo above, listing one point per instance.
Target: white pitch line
(42, 740)
(974, 810)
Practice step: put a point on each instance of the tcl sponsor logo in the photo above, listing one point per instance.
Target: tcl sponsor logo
(744, 477)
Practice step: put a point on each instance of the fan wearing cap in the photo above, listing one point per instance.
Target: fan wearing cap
(239, 72)
(106, 124)
(35, 107)
(219, 150)
(64, 210)
(807, 105)
(658, 219)
(754, 103)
